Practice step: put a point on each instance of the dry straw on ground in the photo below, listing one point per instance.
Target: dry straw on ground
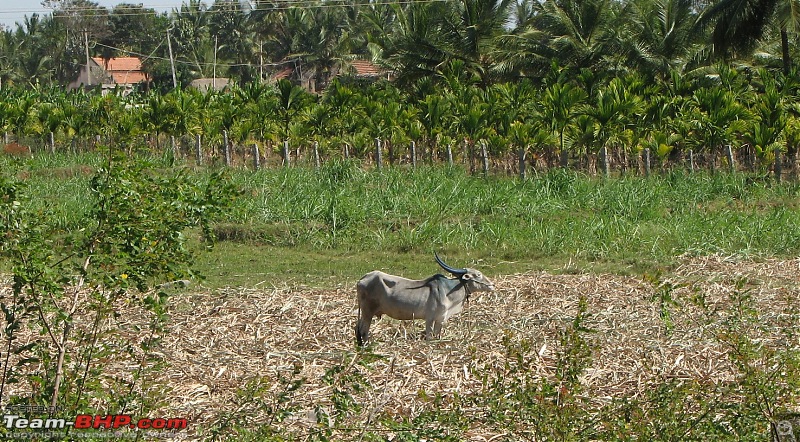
(220, 341)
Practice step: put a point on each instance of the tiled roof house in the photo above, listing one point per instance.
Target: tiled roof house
(124, 72)
(356, 68)
(365, 68)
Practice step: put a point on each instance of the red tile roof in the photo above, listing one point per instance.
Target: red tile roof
(280, 75)
(365, 68)
(123, 70)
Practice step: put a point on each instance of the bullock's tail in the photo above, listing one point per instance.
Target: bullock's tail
(360, 338)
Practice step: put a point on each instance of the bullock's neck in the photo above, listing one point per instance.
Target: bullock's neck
(458, 289)
(467, 290)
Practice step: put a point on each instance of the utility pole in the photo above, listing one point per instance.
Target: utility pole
(88, 66)
(171, 60)
(214, 78)
(261, 61)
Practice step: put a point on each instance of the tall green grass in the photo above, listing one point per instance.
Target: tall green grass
(624, 224)
(555, 214)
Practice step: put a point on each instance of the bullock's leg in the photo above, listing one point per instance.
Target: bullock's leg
(433, 329)
(428, 329)
(362, 327)
(437, 329)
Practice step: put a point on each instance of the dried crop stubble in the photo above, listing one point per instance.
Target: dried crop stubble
(218, 341)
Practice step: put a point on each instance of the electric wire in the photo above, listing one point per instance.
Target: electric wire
(191, 63)
(148, 10)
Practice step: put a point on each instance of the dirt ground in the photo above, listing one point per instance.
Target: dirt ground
(230, 336)
(219, 342)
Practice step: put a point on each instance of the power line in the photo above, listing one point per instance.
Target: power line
(190, 63)
(279, 5)
(247, 8)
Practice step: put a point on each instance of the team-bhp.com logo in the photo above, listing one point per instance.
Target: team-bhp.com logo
(18, 423)
(97, 422)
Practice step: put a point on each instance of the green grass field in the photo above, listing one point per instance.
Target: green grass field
(326, 227)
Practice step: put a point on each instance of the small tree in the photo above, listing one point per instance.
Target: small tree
(133, 237)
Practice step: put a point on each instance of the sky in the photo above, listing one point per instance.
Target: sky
(14, 11)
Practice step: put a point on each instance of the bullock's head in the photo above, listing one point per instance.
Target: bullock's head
(473, 279)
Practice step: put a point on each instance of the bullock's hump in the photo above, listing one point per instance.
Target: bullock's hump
(442, 281)
(437, 279)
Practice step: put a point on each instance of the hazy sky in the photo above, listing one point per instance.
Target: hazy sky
(13, 11)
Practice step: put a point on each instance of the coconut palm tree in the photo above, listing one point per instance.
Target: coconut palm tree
(191, 39)
(366, 25)
(312, 41)
(580, 33)
(233, 37)
(321, 43)
(135, 28)
(662, 37)
(429, 36)
(35, 62)
(739, 25)
(415, 47)
(472, 29)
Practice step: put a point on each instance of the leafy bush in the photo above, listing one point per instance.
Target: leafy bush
(130, 241)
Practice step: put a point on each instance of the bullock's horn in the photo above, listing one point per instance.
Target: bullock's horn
(452, 270)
